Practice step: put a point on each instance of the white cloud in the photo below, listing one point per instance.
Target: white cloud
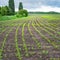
(45, 9)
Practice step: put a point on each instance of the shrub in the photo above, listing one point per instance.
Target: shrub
(22, 13)
(18, 15)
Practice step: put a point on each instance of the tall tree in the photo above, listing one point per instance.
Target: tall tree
(0, 10)
(20, 6)
(12, 6)
(8, 10)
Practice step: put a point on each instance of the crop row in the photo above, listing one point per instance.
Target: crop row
(46, 23)
(24, 42)
(43, 36)
(3, 44)
(3, 30)
(18, 54)
(49, 29)
(35, 39)
(51, 34)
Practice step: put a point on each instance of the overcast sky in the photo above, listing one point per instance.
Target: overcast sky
(36, 5)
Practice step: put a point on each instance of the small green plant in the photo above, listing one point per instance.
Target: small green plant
(24, 43)
(18, 54)
(45, 52)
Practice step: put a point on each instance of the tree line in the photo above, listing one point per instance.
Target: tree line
(10, 9)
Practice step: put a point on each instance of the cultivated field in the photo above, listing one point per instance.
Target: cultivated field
(33, 38)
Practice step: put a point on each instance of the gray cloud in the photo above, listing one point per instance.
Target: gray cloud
(32, 4)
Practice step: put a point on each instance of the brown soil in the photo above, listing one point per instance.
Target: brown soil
(46, 52)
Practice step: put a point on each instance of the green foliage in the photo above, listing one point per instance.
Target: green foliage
(5, 11)
(12, 6)
(3, 18)
(8, 10)
(51, 12)
(0, 10)
(25, 13)
(51, 17)
(18, 15)
(45, 52)
(20, 6)
(22, 13)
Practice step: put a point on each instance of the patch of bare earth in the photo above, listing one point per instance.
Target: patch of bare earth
(9, 49)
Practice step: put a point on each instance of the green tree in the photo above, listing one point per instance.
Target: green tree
(3, 11)
(0, 10)
(20, 6)
(22, 13)
(8, 10)
(12, 6)
(25, 13)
